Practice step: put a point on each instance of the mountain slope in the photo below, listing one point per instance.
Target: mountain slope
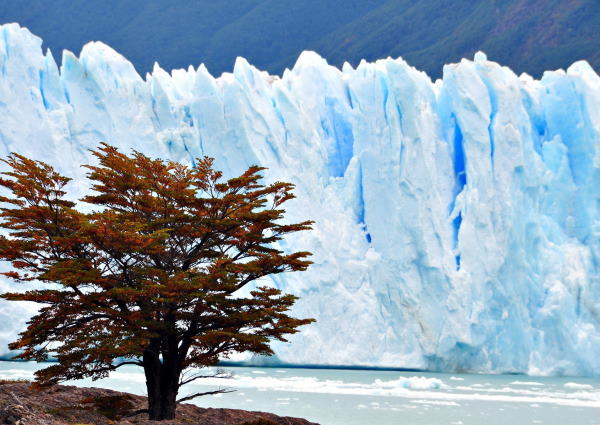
(528, 35)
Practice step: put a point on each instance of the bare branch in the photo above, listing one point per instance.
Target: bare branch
(115, 367)
(220, 374)
(193, 396)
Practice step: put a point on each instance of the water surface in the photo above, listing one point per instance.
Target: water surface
(367, 397)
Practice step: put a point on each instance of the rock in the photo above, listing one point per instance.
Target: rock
(65, 405)
(9, 417)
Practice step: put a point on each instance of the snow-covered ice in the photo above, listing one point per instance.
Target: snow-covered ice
(457, 221)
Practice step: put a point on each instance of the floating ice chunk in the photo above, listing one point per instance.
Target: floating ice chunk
(413, 383)
(527, 383)
(576, 386)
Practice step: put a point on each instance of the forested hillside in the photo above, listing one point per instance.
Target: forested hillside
(528, 35)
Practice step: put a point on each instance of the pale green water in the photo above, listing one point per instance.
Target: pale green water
(353, 397)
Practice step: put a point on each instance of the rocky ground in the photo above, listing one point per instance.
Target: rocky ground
(67, 405)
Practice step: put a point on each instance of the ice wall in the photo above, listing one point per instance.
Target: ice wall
(457, 221)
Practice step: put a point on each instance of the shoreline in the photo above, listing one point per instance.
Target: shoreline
(66, 404)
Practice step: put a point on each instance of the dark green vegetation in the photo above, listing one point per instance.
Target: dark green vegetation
(527, 35)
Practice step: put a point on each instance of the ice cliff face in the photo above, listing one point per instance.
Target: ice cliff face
(457, 222)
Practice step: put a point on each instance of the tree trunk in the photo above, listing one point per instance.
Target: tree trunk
(162, 379)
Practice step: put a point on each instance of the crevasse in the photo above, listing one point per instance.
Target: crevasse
(457, 221)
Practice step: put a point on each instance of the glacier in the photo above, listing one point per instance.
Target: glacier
(457, 221)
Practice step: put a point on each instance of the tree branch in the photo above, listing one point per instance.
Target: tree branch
(193, 396)
(218, 375)
(115, 367)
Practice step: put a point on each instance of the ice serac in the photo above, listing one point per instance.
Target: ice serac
(457, 221)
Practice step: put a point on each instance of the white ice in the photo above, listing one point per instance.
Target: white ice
(457, 221)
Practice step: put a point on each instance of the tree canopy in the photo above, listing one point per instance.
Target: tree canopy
(151, 276)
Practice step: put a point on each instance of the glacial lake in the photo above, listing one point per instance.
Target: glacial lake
(367, 397)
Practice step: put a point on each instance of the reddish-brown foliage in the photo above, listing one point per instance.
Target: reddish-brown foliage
(150, 276)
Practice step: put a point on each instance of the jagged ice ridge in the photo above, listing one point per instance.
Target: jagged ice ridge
(457, 221)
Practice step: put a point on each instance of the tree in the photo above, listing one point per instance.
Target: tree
(152, 276)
